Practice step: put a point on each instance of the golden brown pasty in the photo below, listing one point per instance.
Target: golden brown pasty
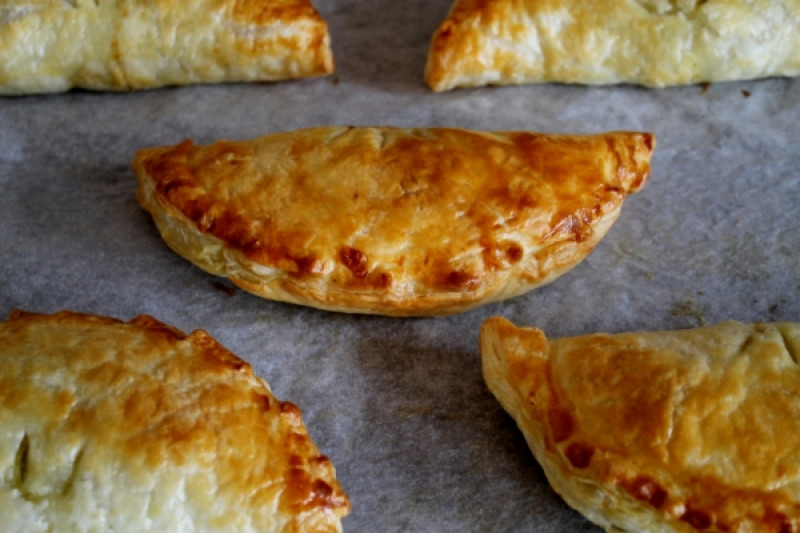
(691, 430)
(648, 42)
(133, 427)
(54, 45)
(388, 220)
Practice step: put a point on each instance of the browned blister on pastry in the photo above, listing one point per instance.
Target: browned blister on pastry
(131, 427)
(689, 430)
(389, 220)
(54, 45)
(648, 42)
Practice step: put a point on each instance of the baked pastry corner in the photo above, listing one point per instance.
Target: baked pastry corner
(49, 46)
(655, 43)
(674, 431)
(131, 427)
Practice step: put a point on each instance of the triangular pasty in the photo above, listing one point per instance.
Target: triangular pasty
(648, 42)
(690, 430)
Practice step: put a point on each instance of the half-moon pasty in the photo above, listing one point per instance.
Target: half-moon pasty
(133, 427)
(689, 430)
(648, 42)
(388, 220)
(54, 45)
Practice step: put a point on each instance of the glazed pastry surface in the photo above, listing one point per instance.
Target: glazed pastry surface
(648, 42)
(54, 45)
(132, 427)
(388, 220)
(689, 430)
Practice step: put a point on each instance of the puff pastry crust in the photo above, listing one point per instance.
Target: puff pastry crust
(388, 220)
(131, 427)
(54, 45)
(691, 430)
(648, 42)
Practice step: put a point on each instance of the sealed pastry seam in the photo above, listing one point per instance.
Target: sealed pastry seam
(659, 431)
(389, 220)
(135, 426)
(54, 45)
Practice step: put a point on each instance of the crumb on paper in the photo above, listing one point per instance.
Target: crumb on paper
(688, 309)
(227, 289)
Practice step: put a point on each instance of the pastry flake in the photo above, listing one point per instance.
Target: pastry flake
(53, 45)
(647, 42)
(388, 220)
(689, 430)
(131, 427)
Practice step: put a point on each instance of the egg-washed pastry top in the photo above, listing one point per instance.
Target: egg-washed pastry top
(54, 45)
(394, 221)
(134, 427)
(648, 42)
(672, 431)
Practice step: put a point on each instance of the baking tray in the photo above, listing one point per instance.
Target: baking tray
(399, 405)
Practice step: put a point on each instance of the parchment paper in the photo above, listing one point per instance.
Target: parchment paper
(399, 405)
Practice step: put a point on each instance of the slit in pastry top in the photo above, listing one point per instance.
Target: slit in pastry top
(388, 220)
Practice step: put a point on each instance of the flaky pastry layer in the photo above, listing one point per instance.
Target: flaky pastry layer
(648, 42)
(389, 220)
(54, 45)
(689, 430)
(132, 427)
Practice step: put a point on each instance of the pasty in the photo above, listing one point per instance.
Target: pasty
(54, 45)
(690, 430)
(133, 427)
(647, 42)
(388, 220)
